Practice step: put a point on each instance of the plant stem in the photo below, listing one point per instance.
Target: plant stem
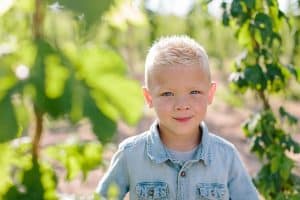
(38, 19)
(37, 33)
(264, 100)
(38, 133)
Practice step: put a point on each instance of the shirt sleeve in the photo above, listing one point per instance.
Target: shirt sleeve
(117, 174)
(240, 184)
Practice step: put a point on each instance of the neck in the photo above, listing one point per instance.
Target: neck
(182, 142)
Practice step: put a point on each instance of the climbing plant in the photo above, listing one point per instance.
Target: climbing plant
(262, 70)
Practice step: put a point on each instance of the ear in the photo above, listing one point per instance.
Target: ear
(147, 97)
(211, 92)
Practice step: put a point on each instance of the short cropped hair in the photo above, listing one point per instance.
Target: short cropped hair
(171, 50)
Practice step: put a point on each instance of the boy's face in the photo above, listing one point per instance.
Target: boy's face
(180, 96)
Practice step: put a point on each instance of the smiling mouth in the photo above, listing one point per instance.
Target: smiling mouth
(182, 119)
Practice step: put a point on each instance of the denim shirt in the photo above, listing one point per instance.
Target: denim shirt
(143, 167)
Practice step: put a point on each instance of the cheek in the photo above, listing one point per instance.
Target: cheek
(162, 105)
(199, 103)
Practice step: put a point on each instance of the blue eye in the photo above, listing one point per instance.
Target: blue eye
(167, 94)
(195, 92)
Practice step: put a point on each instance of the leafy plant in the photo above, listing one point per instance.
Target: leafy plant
(258, 29)
(50, 69)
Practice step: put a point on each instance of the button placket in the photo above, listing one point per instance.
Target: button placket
(181, 184)
(182, 173)
(182, 181)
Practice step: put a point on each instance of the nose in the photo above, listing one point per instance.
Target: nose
(183, 107)
(182, 104)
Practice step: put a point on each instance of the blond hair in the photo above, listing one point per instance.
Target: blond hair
(172, 50)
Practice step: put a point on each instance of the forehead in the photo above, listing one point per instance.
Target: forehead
(178, 75)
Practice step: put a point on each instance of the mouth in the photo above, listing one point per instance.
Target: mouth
(182, 119)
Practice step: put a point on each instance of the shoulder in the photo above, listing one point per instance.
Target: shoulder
(222, 151)
(134, 142)
(221, 143)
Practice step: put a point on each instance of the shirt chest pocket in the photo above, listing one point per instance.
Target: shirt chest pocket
(210, 191)
(152, 191)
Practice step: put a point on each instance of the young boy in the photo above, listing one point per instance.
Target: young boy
(178, 158)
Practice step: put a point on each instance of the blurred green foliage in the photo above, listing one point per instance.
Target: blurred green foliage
(50, 67)
(76, 158)
(260, 27)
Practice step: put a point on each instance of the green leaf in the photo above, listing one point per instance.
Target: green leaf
(6, 83)
(255, 77)
(38, 182)
(77, 100)
(257, 35)
(56, 76)
(275, 77)
(130, 108)
(286, 168)
(105, 105)
(238, 78)
(268, 122)
(276, 18)
(69, 156)
(49, 181)
(276, 40)
(264, 24)
(258, 147)
(92, 156)
(291, 118)
(49, 79)
(225, 18)
(271, 2)
(292, 145)
(77, 157)
(244, 36)
(275, 163)
(94, 62)
(298, 73)
(22, 113)
(88, 10)
(103, 126)
(6, 157)
(250, 4)
(38, 75)
(252, 124)
(224, 5)
(236, 8)
(8, 122)
(274, 70)
(104, 72)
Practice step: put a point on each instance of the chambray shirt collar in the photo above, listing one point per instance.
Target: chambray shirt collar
(156, 150)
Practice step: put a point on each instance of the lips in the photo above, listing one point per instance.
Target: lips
(182, 119)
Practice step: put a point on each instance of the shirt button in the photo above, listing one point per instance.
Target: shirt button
(182, 174)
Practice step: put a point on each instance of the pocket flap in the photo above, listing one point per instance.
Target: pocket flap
(152, 190)
(211, 191)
